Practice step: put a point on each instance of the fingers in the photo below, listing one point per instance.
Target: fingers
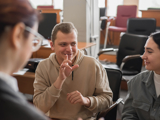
(63, 68)
(65, 65)
(79, 119)
(75, 67)
(75, 97)
(69, 57)
(72, 94)
(75, 100)
(67, 61)
(66, 57)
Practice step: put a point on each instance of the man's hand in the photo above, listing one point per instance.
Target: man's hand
(64, 71)
(65, 68)
(76, 97)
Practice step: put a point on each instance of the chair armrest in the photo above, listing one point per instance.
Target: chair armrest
(103, 113)
(106, 50)
(109, 19)
(104, 18)
(127, 58)
(112, 20)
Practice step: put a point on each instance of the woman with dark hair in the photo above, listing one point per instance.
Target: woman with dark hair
(143, 99)
(18, 26)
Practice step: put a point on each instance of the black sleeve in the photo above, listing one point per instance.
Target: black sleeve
(13, 106)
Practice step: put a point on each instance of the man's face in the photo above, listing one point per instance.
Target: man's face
(65, 44)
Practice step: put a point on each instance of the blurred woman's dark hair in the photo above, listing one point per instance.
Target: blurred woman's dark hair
(156, 38)
(15, 11)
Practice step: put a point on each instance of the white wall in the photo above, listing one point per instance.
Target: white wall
(84, 14)
(95, 26)
(75, 11)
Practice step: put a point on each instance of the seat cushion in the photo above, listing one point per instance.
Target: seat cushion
(129, 72)
(117, 29)
(115, 66)
(109, 65)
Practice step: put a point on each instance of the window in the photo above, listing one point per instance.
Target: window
(35, 3)
(101, 3)
(148, 4)
(58, 4)
(112, 7)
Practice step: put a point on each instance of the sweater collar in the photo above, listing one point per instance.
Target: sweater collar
(148, 79)
(149, 83)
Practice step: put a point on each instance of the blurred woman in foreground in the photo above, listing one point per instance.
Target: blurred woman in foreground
(18, 26)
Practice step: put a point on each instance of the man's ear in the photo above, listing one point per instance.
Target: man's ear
(17, 35)
(52, 45)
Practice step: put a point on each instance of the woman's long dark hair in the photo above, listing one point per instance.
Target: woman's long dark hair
(156, 38)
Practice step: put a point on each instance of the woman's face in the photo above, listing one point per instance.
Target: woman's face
(151, 56)
(26, 49)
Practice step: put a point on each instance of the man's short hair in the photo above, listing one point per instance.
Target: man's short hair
(65, 27)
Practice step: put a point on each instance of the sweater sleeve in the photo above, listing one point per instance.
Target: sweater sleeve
(102, 98)
(45, 95)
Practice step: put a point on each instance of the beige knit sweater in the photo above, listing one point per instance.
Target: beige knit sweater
(90, 79)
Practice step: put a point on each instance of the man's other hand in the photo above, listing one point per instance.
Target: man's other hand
(76, 97)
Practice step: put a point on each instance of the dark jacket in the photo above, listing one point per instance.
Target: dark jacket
(142, 102)
(13, 106)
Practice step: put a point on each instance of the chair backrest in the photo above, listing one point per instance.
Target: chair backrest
(153, 8)
(131, 44)
(103, 12)
(114, 77)
(132, 2)
(46, 25)
(141, 26)
(123, 13)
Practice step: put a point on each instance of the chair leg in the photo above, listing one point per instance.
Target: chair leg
(106, 35)
(109, 41)
(112, 42)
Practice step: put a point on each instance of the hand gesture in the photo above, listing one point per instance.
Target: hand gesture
(65, 68)
(76, 97)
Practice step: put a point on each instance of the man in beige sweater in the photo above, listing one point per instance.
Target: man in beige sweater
(69, 84)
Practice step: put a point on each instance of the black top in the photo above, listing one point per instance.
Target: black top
(13, 105)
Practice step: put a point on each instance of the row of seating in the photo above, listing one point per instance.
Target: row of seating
(133, 41)
(126, 21)
(131, 47)
(128, 54)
